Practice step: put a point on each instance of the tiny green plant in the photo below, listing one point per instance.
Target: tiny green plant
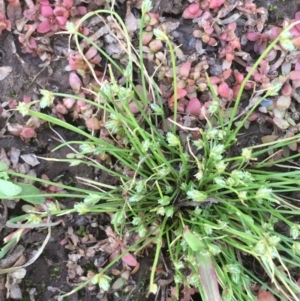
(212, 211)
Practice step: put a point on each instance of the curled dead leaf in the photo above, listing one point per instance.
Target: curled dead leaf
(136, 268)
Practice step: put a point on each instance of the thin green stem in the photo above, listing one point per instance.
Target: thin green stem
(250, 73)
(175, 95)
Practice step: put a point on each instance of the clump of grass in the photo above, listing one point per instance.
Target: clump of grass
(210, 211)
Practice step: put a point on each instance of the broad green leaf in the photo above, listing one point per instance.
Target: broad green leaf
(8, 188)
(4, 175)
(208, 277)
(193, 241)
(118, 284)
(28, 208)
(3, 166)
(18, 218)
(5, 249)
(28, 189)
(205, 265)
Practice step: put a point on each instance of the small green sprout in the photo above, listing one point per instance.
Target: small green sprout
(196, 195)
(81, 208)
(114, 124)
(172, 139)
(157, 110)
(216, 152)
(286, 41)
(296, 247)
(294, 231)
(164, 201)
(160, 34)
(102, 280)
(146, 6)
(47, 98)
(135, 198)
(221, 166)
(247, 154)
(71, 28)
(24, 108)
(199, 143)
(34, 219)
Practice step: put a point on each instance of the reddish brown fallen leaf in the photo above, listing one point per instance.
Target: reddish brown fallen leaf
(266, 296)
(13, 104)
(185, 69)
(133, 108)
(253, 117)
(147, 37)
(180, 93)
(92, 52)
(27, 133)
(294, 75)
(194, 107)
(129, 260)
(68, 102)
(215, 3)
(286, 90)
(192, 11)
(239, 77)
(135, 269)
(227, 73)
(156, 45)
(214, 80)
(224, 91)
(296, 42)
(93, 123)
(253, 36)
(26, 99)
(61, 109)
(54, 188)
(115, 272)
(75, 82)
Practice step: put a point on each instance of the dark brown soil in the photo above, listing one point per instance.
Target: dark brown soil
(279, 9)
